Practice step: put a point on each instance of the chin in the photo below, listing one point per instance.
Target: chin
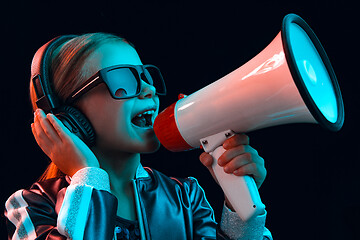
(151, 147)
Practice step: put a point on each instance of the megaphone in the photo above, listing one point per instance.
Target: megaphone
(290, 81)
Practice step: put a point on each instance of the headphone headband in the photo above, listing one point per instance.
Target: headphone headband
(40, 74)
(47, 98)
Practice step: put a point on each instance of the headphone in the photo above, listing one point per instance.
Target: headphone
(47, 99)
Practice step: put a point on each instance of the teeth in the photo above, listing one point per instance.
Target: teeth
(151, 112)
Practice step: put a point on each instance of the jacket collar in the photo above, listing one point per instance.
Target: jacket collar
(141, 172)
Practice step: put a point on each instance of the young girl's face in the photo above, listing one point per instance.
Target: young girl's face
(112, 118)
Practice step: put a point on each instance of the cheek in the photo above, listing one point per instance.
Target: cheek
(111, 120)
(112, 123)
(107, 116)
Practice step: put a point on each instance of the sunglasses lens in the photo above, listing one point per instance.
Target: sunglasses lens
(122, 82)
(154, 77)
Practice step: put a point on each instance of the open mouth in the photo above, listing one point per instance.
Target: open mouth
(144, 119)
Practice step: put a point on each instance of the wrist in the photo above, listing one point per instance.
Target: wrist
(79, 167)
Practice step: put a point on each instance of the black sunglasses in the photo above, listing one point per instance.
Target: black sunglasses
(123, 81)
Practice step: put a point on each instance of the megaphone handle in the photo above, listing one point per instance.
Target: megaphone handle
(241, 191)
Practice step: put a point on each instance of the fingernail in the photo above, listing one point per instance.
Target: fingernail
(42, 113)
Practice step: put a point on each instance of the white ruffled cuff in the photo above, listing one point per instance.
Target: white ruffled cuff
(92, 176)
(235, 228)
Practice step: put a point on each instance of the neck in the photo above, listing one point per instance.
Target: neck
(120, 166)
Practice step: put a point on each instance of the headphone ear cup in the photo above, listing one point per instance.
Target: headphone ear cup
(77, 123)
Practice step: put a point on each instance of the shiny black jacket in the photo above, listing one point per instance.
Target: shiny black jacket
(170, 208)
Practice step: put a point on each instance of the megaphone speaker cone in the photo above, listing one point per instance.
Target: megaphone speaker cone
(312, 72)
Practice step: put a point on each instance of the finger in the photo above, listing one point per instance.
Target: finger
(258, 160)
(229, 154)
(238, 162)
(40, 134)
(35, 134)
(252, 170)
(233, 152)
(42, 141)
(236, 140)
(33, 129)
(206, 159)
(63, 132)
(47, 127)
(248, 169)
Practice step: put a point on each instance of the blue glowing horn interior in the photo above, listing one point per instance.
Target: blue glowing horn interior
(312, 72)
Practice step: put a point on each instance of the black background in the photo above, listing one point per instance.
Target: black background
(312, 187)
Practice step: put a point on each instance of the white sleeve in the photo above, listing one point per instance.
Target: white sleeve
(73, 214)
(235, 228)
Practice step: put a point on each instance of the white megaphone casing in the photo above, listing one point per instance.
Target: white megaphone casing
(290, 81)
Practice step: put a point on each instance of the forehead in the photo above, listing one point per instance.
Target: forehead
(113, 53)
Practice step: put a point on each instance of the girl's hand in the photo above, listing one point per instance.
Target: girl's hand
(67, 151)
(239, 159)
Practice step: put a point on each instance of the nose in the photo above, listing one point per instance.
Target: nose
(147, 90)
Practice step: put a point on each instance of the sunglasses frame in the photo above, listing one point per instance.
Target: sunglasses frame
(101, 77)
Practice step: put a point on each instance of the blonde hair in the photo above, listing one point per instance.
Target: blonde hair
(67, 72)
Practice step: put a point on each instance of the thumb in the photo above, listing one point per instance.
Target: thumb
(207, 160)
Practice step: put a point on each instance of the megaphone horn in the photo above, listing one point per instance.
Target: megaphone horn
(290, 81)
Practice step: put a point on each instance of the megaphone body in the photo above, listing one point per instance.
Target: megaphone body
(290, 81)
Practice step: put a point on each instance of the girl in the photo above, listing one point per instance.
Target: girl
(101, 190)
